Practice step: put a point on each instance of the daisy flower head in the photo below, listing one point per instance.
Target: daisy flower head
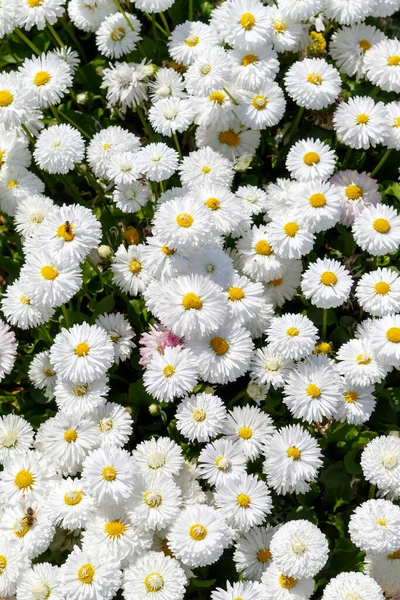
(188, 41)
(14, 150)
(17, 106)
(41, 372)
(128, 271)
(120, 333)
(383, 569)
(157, 161)
(378, 292)
(105, 144)
(88, 16)
(350, 584)
(374, 527)
(348, 13)
(252, 68)
(201, 417)
(252, 554)
(361, 123)
(356, 190)
(393, 117)
(256, 255)
(232, 142)
(16, 437)
(289, 236)
(171, 115)
(69, 505)
(380, 462)
(17, 184)
(153, 5)
(211, 70)
(293, 459)
(310, 159)
(197, 538)
(348, 46)
(130, 197)
(75, 397)
(357, 403)
(251, 427)
(206, 166)
(161, 261)
(261, 108)
(115, 37)
(123, 168)
(282, 587)
(245, 298)
(284, 288)
(7, 17)
(244, 502)
(32, 533)
(319, 205)
(160, 455)
(212, 262)
(359, 363)
(312, 391)
(31, 13)
(30, 212)
(8, 349)
(221, 461)
(246, 24)
(192, 306)
(247, 590)
(293, 336)
(69, 56)
(269, 368)
(299, 548)
(40, 580)
(313, 83)
(156, 501)
(377, 229)
(287, 33)
(214, 109)
(326, 283)
(48, 78)
(385, 339)
(171, 375)
(125, 85)
(90, 574)
(13, 565)
(58, 148)
(155, 576)
(252, 199)
(114, 424)
(299, 10)
(382, 65)
(82, 353)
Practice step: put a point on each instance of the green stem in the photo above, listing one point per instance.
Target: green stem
(28, 133)
(73, 37)
(27, 41)
(55, 35)
(46, 333)
(381, 162)
(324, 323)
(74, 192)
(141, 50)
(235, 102)
(65, 314)
(153, 19)
(57, 113)
(178, 148)
(162, 187)
(121, 10)
(347, 157)
(143, 120)
(190, 10)
(296, 123)
(371, 494)
(165, 23)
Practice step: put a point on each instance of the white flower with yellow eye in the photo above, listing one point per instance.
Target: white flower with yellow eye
(250, 427)
(221, 461)
(375, 527)
(47, 77)
(69, 504)
(41, 582)
(156, 576)
(90, 575)
(201, 417)
(155, 502)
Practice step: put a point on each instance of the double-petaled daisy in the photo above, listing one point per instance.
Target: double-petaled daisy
(359, 363)
(250, 427)
(90, 574)
(356, 190)
(346, 585)
(58, 148)
(360, 122)
(292, 336)
(378, 292)
(313, 83)
(326, 283)
(380, 462)
(154, 575)
(162, 455)
(374, 527)
(252, 554)
(310, 159)
(377, 229)
(221, 461)
(201, 417)
(382, 64)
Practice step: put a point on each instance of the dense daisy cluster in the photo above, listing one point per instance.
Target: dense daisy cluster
(191, 343)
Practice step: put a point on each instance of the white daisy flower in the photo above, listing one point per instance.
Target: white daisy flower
(356, 405)
(123, 168)
(318, 203)
(130, 197)
(167, 82)
(385, 339)
(116, 37)
(261, 108)
(377, 229)
(68, 505)
(157, 161)
(41, 580)
(326, 283)
(14, 564)
(256, 256)
(245, 298)
(374, 527)
(269, 367)
(155, 576)
(31, 13)
(283, 587)
(153, 5)
(289, 237)
(213, 110)
(47, 77)
(356, 190)
(114, 424)
(90, 574)
(292, 336)
(41, 372)
(382, 65)
(378, 292)
(120, 333)
(288, 33)
(252, 554)
(79, 397)
(250, 427)
(213, 263)
(231, 143)
(252, 68)
(285, 287)
(58, 148)
(105, 144)
(252, 199)
(17, 106)
(247, 590)
(361, 123)
(383, 569)
(20, 311)
(126, 85)
(189, 40)
(88, 16)
(348, 46)
(393, 117)
(380, 462)
(162, 455)
(7, 17)
(30, 212)
(156, 501)
(313, 83)
(201, 417)
(223, 209)
(310, 159)
(17, 184)
(299, 10)
(171, 115)
(348, 13)
(293, 459)
(16, 437)
(246, 24)
(211, 70)
(128, 271)
(221, 461)
(206, 166)
(14, 150)
(171, 375)
(359, 364)
(32, 532)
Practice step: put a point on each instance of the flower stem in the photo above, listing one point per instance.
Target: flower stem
(381, 162)
(346, 158)
(121, 10)
(27, 41)
(141, 50)
(55, 35)
(143, 120)
(46, 333)
(165, 23)
(57, 113)
(73, 37)
(235, 102)
(153, 19)
(324, 323)
(296, 123)
(190, 10)
(178, 148)
(28, 134)
(65, 314)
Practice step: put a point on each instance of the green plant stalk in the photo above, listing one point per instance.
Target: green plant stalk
(178, 148)
(27, 41)
(381, 162)
(140, 48)
(65, 314)
(296, 123)
(153, 19)
(58, 113)
(143, 120)
(165, 23)
(324, 323)
(55, 35)
(235, 102)
(347, 157)
(121, 10)
(73, 37)
(190, 10)
(28, 133)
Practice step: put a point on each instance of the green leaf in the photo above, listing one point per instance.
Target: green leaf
(104, 306)
(202, 583)
(352, 462)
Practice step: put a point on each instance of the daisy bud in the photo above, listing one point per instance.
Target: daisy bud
(105, 252)
(154, 409)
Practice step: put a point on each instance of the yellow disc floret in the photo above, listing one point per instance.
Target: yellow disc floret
(48, 272)
(328, 278)
(86, 573)
(243, 500)
(247, 21)
(24, 479)
(197, 532)
(184, 220)
(381, 225)
(41, 78)
(219, 345)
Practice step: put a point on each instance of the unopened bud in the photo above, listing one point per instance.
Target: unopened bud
(131, 236)
(154, 410)
(105, 252)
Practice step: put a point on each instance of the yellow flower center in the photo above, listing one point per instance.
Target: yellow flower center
(41, 78)
(249, 59)
(70, 435)
(82, 349)
(118, 34)
(317, 200)
(169, 370)
(351, 397)
(135, 267)
(235, 293)
(219, 345)
(322, 348)
(317, 43)
(205, 69)
(259, 102)
(86, 573)
(396, 122)
(390, 461)
(167, 251)
(152, 499)
(190, 301)
(114, 529)
(313, 390)
(294, 453)
(382, 288)
(2, 155)
(293, 332)
(287, 582)
(314, 78)
(245, 433)
(276, 282)
(24, 300)
(264, 555)
(363, 359)
(382, 522)
(212, 203)
(291, 229)
(206, 169)
(381, 225)
(394, 61)
(199, 415)
(12, 183)
(247, 21)
(197, 532)
(222, 463)
(5, 98)
(73, 498)
(66, 231)
(364, 45)
(48, 272)
(353, 192)
(109, 473)
(279, 26)
(328, 278)
(229, 137)
(262, 247)
(80, 390)
(131, 236)
(362, 119)
(393, 335)
(243, 500)
(394, 555)
(24, 479)
(184, 220)
(218, 97)
(48, 372)
(154, 582)
(3, 564)
(192, 41)
(311, 158)
(21, 527)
